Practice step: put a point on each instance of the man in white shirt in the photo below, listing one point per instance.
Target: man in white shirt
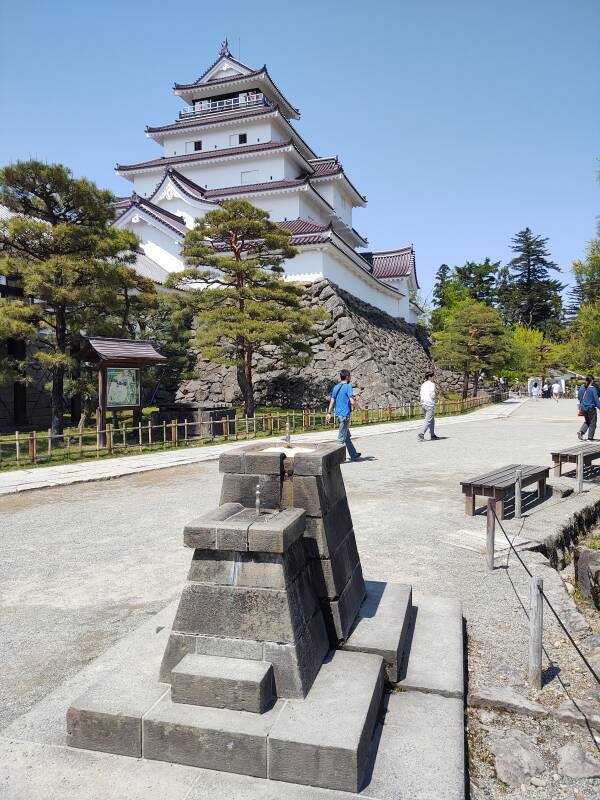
(556, 390)
(428, 401)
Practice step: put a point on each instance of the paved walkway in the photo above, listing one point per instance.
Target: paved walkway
(84, 565)
(104, 469)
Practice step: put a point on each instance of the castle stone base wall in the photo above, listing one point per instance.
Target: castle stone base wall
(387, 357)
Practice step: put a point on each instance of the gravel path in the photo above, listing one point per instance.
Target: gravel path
(84, 564)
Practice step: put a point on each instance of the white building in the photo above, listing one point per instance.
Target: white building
(234, 139)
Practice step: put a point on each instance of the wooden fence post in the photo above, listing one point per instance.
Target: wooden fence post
(389, 410)
(366, 413)
(149, 433)
(490, 532)
(109, 437)
(32, 447)
(49, 443)
(536, 619)
(174, 432)
(185, 430)
(17, 447)
(164, 432)
(140, 436)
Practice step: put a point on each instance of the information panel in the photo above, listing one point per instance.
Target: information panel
(122, 387)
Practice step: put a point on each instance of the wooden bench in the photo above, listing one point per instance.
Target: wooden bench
(500, 484)
(591, 451)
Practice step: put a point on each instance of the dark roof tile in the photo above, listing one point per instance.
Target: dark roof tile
(204, 156)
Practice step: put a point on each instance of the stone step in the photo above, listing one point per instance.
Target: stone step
(221, 682)
(213, 738)
(433, 658)
(324, 740)
(382, 624)
(420, 749)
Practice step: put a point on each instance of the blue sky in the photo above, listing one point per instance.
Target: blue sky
(462, 121)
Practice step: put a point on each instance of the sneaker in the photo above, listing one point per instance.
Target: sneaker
(356, 457)
(433, 438)
(421, 437)
(580, 436)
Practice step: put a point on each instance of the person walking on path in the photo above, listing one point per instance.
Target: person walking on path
(588, 402)
(428, 401)
(342, 399)
(556, 390)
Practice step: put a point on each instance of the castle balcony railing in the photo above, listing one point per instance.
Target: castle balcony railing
(208, 107)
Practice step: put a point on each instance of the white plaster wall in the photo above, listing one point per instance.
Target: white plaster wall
(307, 266)
(337, 269)
(225, 173)
(219, 138)
(160, 247)
(332, 192)
(279, 206)
(311, 209)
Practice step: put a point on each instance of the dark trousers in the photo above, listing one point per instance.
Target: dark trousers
(589, 425)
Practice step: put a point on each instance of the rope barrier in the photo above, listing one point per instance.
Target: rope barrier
(548, 603)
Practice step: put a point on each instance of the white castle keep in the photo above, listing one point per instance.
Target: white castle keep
(234, 139)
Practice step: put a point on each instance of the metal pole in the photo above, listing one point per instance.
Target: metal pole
(491, 533)
(579, 473)
(536, 617)
(518, 489)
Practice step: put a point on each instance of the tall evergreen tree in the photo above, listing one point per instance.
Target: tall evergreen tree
(587, 279)
(442, 276)
(74, 267)
(236, 284)
(480, 279)
(473, 339)
(531, 297)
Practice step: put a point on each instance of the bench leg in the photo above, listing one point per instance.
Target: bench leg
(470, 505)
(557, 467)
(542, 489)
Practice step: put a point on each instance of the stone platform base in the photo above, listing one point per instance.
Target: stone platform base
(328, 739)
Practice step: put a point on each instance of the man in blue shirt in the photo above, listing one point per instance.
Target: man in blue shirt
(342, 397)
(589, 401)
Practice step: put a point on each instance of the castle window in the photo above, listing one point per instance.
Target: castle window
(193, 147)
(249, 177)
(237, 138)
(197, 145)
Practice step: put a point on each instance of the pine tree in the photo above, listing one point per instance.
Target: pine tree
(242, 304)
(74, 268)
(442, 277)
(531, 297)
(480, 279)
(473, 339)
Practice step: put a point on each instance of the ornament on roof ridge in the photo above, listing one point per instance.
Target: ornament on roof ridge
(224, 48)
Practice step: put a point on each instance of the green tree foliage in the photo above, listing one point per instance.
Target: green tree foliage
(531, 354)
(452, 294)
(74, 269)
(442, 277)
(472, 340)
(241, 302)
(587, 279)
(581, 349)
(527, 294)
(480, 279)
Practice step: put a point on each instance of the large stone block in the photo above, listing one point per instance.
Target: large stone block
(317, 494)
(108, 716)
(330, 575)
(236, 611)
(229, 647)
(275, 533)
(295, 666)
(322, 535)
(245, 685)
(242, 489)
(232, 533)
(213, 738)
(179, 645)
(382, 624)
(266, 570)
(340, 614)
(325, 458)
(324, 739)
(202, 532)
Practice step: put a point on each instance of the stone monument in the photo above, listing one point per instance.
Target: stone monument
(276, 660)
